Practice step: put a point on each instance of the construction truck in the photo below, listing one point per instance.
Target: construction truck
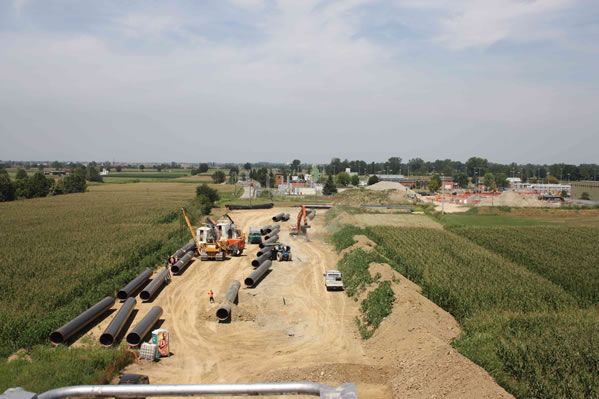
(254, 235)
(228, 231)
(332, 280)
(208, 243)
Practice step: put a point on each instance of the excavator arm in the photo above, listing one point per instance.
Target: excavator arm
(193, 233)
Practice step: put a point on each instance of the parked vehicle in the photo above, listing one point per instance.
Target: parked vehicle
(332, 280)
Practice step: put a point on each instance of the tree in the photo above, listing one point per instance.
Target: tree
(343, 179)
(295, 164)
(218, 176)
(247, 166)
(94, 175)
(373, 180)
(394, 165)
(75, 183)
(552, 180)
(118, 169)
(461, 179)
(480, 164)
(501, 180)
(58, 187)
(203, 168)
(233, 170)
(355, 180)
(39, 185)
(142, 167)
(329, 187)
(21, 174)
(489, 179)
(205, 204)
(208, 192)
(434, 184)
(7, 188)
(585, 196)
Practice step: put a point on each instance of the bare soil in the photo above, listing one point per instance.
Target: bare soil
(289, 328)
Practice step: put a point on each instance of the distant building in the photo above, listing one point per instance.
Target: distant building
(590, 187)
(105, 172)
(395, 178)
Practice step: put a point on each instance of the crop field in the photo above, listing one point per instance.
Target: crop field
(567, 256)
(534, 329)
(86, 246)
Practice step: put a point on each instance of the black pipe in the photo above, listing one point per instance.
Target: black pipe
(318, 206)
(141, 329)
(163, 277)
(177, 267)
(263, 251)
(186, 248)
(271, 240)
(278, 217)
(265, 230)
(116, 325)
(259, 260)
(285, 217)
(224, 310)
(259, 206)
(256, 274)
(66, 331)
(271, 235)
(134, 285)
(310, 215)
(274, 229)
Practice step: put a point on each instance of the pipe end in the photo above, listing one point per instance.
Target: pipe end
(133, 339)
(249, 282)
(175, 269)
(122, 295)
(222, 314)
(106, 340)
(145, 295)
(56, 338)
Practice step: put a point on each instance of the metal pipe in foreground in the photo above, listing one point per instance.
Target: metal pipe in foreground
(224, 310)
(66, 331)
(186, 248)
(134, 285)
(177, 267)
(260, 259)
(269, 240)
(345, 391)
(116, 325)
(161, 278)
(143, 327)
(251, 280)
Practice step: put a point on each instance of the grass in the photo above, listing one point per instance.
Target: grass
(457, 219)
(565, 255)
(44, 368)
(534, 336)
(377, 305)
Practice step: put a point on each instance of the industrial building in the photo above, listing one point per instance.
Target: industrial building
(590, 187)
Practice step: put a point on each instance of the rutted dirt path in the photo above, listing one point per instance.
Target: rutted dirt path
(289, 328)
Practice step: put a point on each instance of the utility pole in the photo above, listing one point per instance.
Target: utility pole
(442, 197)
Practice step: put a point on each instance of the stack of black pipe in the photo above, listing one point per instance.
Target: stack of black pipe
(281, 217)
(180, 264)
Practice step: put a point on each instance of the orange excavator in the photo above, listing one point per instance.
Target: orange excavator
(302, 228)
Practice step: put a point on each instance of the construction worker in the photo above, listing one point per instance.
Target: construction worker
(172, 260)
(211, 296)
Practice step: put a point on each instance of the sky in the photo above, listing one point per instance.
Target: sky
(267, 80)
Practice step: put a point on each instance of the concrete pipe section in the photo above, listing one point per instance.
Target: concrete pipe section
(224, 310)
(145, 325)
(177, 267)
(66, 331)
(253, 278)
(134, 285)
(116, 325)
(161, 278)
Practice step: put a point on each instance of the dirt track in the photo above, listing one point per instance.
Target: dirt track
(289, 328)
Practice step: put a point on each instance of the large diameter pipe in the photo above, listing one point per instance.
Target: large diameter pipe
(134, 285)
(179, 265)
(269, 240)
(271, 235)
(150, 290)
(263, 251)
(265, 230)
(186, 248)
(285, 217)
(259, 260)
(117, 324)
(251, 280)
(224, 310)
(278, 217)
(139, 332)
(310, 215)
(66, 331)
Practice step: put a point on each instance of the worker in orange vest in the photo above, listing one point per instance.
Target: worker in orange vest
(211, 296)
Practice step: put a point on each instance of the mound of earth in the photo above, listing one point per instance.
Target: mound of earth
(512, 199)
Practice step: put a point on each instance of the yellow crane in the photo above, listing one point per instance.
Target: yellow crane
(208, 245)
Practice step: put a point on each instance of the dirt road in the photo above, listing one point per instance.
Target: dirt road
(289, 328)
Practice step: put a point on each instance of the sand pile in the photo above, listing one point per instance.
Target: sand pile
(513, 199)
(399, 192)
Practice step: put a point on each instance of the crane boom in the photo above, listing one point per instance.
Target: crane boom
(193, 233)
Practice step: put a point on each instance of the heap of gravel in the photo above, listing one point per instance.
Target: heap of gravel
(387, 185)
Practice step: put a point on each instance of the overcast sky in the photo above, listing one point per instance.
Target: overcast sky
(250, 80)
